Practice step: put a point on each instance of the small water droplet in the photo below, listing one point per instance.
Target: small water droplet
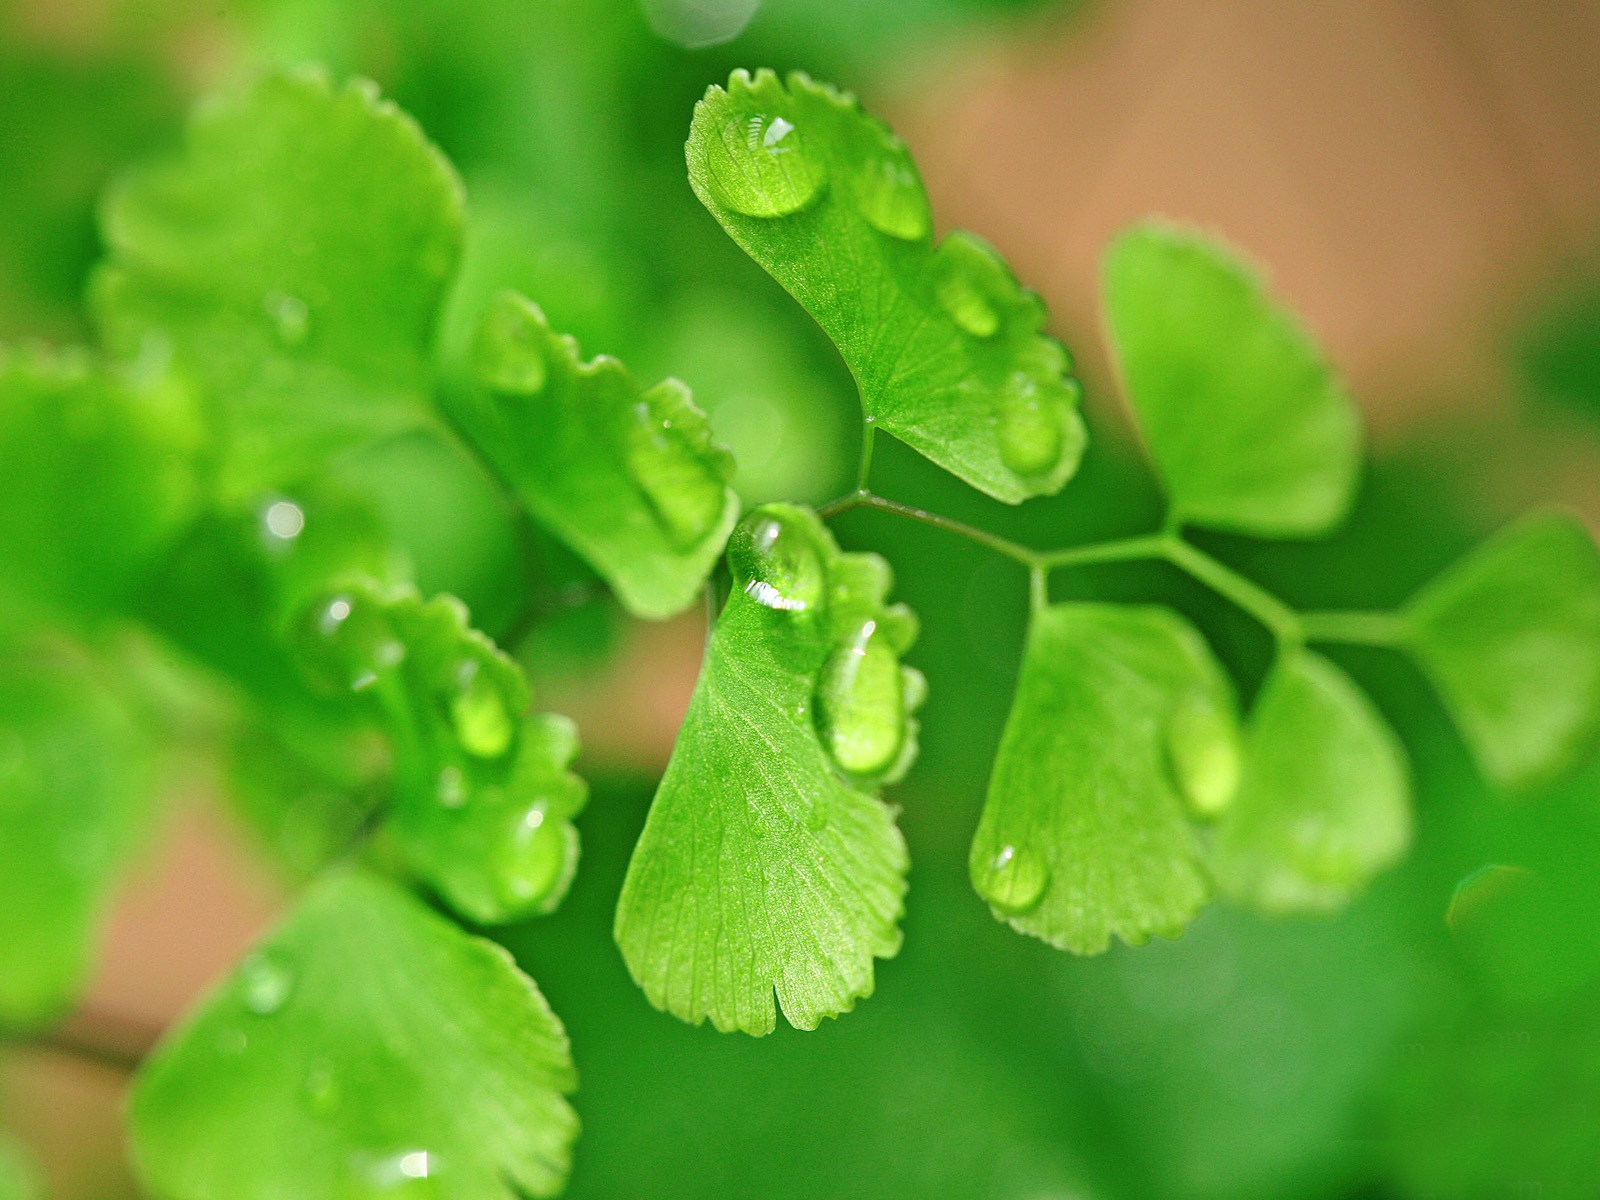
(963, 300)
(1202, 747)
(290, 317)
(1014, 879)
(527, 861)
(283, 520)
(347, 641)
(232, 1042)
(886, 187)
(452, 787)
(861, 703)
(761, 165)
(509, 355)
(478, 712)
(265, 982)
(670, 457)
(321, 1088)
(776, 562)
(1482, 889)
(1030, 426)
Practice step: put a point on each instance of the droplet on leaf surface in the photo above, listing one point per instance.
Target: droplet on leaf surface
(776, 562)
(761, 165)
(1014, 879)
(861, 703)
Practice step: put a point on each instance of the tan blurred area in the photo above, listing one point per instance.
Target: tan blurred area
(1402, 165)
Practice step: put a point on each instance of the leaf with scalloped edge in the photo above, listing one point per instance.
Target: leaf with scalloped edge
(768, 863)
(629, 479)
(292, 258)
(483, 800)
(366, 1048)
(1324, 800)
(1122, 724)
(944, 344)
(1249, 428)
(1511, 637)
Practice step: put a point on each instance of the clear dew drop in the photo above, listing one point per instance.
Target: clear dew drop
(1029, 426)
(965, 303)
(775, 562)
(321, 1089)
(683, 486)
(290, 317)
(527, 861)
(478, 712)
(508, 355)
(761, 165)
(887, 190)
(347, 642)
(861, 703)
(1202, 752)
(266, 980)
(1014, 879)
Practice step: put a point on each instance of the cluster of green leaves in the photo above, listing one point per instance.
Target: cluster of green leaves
(270, 308)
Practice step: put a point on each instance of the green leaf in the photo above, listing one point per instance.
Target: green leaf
(629, 479)
(1249, 429)
(943, 342)
(1324, 800)
(768, 863)
(75, 774)
(1511, 637)
(366, 1048)
(293, 258)
(98, 475)
(483, 800)
(1121, 718)
(18, 1180)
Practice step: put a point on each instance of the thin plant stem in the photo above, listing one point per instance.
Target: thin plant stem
(1356, 628)
(1281, 620)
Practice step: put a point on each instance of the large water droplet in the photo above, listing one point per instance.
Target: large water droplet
(509, 354)
(1029, 426)
(1202, 745)
(266, 980)
(761, 165)
(682, 481)
(347, 641)
(775, 561)
(861, 703)
(478, 712)
(886, 187)
(1014, 879)
(528, 861)
(290, 317)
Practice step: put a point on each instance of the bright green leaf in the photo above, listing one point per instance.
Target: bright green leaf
(483, 802)
(768, 863)
(18, 1180)
(629, 479)
(1249, 429)
(293, 258)
(943, 342)
(74, 782)
(1324, 800)
(1084, 833)
(1511, 636)
(98, 475)
(366, 1048)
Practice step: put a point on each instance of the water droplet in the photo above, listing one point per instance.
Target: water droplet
(887, 190)
(509, 354)
(669, 455)
(265, 981)
(761, 165)
(478, 712)
(452, 788)
(1202, 746)
(1030, 426)
(964, 301)
(776, 562)
(347, 641)
(321, 1088)
(290, 317)
(1482, 889)
(861, 703)
(232, 1042)
(1014, 879)
(408, 1172)
(283, 520)
(528, 861)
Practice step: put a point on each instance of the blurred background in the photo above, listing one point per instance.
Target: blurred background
(1421, 177)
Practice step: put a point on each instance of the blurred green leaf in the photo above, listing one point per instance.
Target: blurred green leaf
(293, 258)
(75, 776)
(629, 479)
(1084, 832)
(1511, 636)
(18, 1181)
(944, 344)
(366, 1048)
(1324, 800)
(768, 862)
(1249, 429)
(483, 800)
(99, 476)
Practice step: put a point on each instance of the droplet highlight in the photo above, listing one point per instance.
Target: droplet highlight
(1014, 879)
(527, 862)
(508, 356)
(668, 453)
(266, 981)
(776, 562)
(761, 165)
(478, 712)
(1202, 751)
(861, 703)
